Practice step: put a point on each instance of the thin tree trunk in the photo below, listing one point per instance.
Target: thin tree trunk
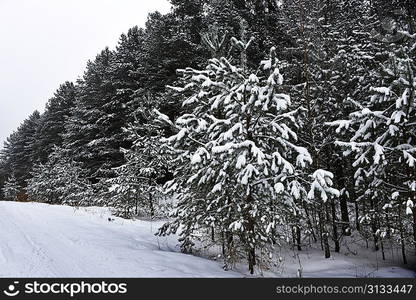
(334, 226)
(343, 200)
(223, 245)
(298, 238)
(388, 225)
(344, 215)
(382, 249)
(402, 241)
(151, 206)
(251, 260)
(357, 216)
(250, 237)
(325, 233)
(308, 221)
(374, 221)
(326, 245)
(321, 231)
(152, 209)
(227, 245)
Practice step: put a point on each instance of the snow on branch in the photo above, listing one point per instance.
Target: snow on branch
(322, 184)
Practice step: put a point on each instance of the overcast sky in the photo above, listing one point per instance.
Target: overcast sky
(44, 43)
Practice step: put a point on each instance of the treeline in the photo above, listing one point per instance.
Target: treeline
(253, 123)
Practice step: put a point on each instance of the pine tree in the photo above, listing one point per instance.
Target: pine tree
(11, 188)
(383, 141)
(89, 132)
(329, 63)
(52, 122)
(60, 181)
(238, 162)
(16, 156)
(138, 184)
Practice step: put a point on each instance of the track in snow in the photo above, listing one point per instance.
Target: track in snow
(40, 240)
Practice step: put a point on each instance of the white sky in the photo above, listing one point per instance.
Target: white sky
(44, 43)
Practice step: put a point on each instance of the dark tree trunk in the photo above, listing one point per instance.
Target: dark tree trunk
(383, 254)
(343, 200)
(224, 251)
(325, 233)
(402, 241)
(251, 260)
(298, 238)
(250, 237)
(152, 209)
(374, 221)
(388, 225)
(345, 215)
(151, 206)
(321, 230)
(326, 245)
(227, 245)
(334, 226)
(375, 237)
(357, 216)
(308, 220)
(382, 249)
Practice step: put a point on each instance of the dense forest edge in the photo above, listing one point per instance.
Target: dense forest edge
(245, 123)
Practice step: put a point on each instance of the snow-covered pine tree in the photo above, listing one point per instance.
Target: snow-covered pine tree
(238, 160)
(11, 188)
(52, 122)
(320, 192)
(138, 184)
(91, 133)
(383, 142)
(322, 64)
(60, 180)
(121, 192)
(16, 155)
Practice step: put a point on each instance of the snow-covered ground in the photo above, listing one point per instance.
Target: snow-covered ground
(40, 240)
